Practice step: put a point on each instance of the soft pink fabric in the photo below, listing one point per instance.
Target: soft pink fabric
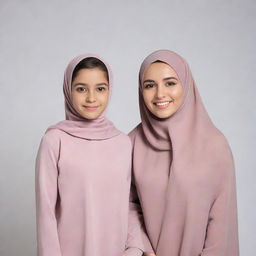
(83, 174)
(184, 174)
(97, 129)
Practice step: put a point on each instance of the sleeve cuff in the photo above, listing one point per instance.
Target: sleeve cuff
(133, 252)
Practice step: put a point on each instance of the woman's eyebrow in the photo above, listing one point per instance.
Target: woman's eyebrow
(149, 80)
(167, 78)
(171, 77)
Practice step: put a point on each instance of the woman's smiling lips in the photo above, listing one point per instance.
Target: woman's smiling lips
(91, 108)
(162, 104)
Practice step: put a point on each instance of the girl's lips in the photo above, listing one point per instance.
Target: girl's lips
(90, 107)
(162, 105)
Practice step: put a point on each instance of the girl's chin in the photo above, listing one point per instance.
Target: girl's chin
(90, 115)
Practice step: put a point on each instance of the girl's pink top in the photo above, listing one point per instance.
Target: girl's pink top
(184, 174)
(83, 174)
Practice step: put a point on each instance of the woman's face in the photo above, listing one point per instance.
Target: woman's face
(90, 91)
(162, 90)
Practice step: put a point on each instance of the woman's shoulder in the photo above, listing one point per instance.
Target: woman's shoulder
(221, 151)
(220, 144)
(133, 133)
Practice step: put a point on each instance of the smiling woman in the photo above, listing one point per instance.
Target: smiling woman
(162, 90)
(183, 166)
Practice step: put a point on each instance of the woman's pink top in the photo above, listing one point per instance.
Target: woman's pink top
(184, 174)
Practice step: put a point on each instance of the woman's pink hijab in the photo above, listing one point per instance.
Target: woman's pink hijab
(191, 117)
(76, 125)
(184, 174)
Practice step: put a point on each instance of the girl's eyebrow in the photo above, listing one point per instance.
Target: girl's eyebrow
(83, 84)
(102, 84)
(79, 84)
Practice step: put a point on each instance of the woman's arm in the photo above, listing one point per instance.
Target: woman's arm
(46, 188)
(222, 230)
(137, 236)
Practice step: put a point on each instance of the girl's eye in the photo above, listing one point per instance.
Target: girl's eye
(147, 86)
(101, 89)
(80, 89)
(170, 83)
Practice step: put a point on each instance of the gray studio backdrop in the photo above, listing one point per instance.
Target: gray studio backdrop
(37, 40)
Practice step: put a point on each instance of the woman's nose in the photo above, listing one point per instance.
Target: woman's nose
(160, 92)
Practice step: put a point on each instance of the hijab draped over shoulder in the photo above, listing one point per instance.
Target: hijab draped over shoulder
(184, 174)
(97, 129)
(82, 181)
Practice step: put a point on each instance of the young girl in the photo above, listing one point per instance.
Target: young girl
(83, 173)
(183, 166)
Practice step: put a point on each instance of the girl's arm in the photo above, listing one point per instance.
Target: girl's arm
(222, 230)
(46, 186)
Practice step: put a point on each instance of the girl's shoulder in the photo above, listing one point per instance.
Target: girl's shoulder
(49, 145)
(53, 133)
(123, 138)
(51, 138)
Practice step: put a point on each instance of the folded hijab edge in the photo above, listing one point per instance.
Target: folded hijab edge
(95, 129)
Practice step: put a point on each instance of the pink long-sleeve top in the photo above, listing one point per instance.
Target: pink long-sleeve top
(184, 173)
(82, 197)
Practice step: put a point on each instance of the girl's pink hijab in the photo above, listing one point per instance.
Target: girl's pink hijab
(181, 165)
(76, 125)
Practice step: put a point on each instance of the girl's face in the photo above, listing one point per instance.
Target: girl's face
(90, 92)
(162, 90)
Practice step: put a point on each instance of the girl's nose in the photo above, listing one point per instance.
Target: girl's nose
(90, 97)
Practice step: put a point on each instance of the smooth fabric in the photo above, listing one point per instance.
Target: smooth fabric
(83, 174)
(184, 175)
(97, 129)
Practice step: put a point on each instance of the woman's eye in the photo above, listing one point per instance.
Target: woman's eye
(80, 89)
(170, 83)
(149, 86)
